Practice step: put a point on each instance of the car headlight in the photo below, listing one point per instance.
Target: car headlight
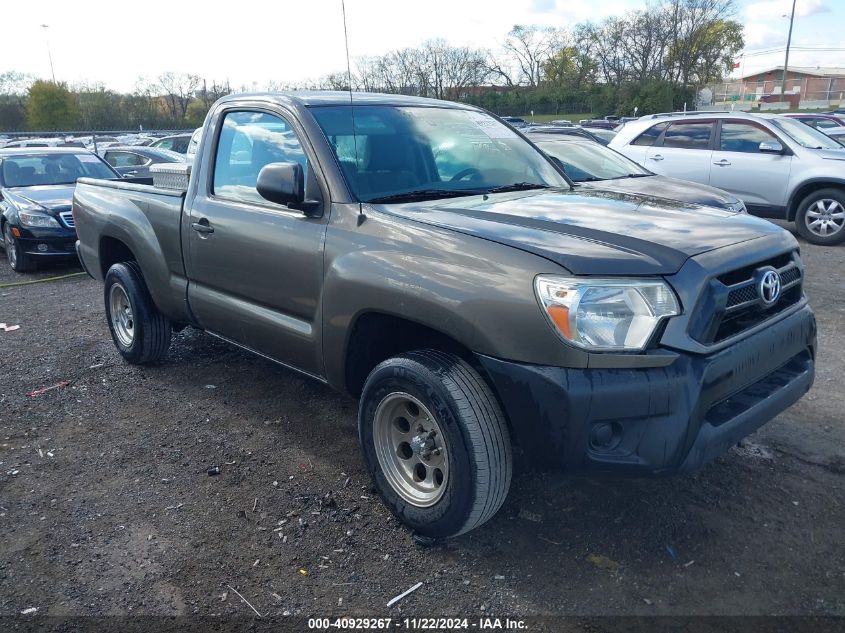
(37, 219)
(605, 314)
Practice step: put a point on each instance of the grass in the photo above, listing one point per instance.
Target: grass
(545, 118)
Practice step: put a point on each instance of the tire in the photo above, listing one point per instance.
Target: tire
(822, 210)
(141, 334)
(18, 260)
(471, 445)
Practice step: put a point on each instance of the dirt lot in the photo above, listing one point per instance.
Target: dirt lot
(107, 506)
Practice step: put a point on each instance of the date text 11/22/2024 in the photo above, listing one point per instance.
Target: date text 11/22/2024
(417, 624)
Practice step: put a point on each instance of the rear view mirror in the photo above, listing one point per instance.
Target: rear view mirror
(771, 147)
(282, 183)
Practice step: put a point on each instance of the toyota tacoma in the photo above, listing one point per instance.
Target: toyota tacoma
(428, 260)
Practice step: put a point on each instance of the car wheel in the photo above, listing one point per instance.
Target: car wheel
(139, 331)
(18, 259)
(435, 442)
(821, 217)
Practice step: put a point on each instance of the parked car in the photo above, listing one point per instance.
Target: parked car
(36, 188)
(515, 121)
(578, 131)
(837, 134)
(193, 144)
(464, 297)
(135, 160)
(561, 123)
(595, 166)
(822, 122)
(600, 123)
(43, 142)
(778, 166)
(176, 143)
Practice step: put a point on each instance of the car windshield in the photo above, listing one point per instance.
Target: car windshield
(402, 153)
(30, 170)
(587, 160)
(805, 135)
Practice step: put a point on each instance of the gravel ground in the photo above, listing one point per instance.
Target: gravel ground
(106, 505)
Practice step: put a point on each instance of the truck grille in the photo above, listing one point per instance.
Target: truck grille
(736, 301)
(67, 219)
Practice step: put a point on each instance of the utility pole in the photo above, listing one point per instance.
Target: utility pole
(786, 61)
(49, 54)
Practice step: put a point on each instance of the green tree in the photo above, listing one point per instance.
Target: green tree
(51, 106)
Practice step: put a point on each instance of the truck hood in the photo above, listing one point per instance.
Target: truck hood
(50, 197)
(593, 232)
(668, 188)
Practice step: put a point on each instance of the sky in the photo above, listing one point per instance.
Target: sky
(252, 42)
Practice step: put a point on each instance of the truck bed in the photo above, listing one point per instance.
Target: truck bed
(144, 218)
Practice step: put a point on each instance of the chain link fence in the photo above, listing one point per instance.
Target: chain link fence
(806, 93)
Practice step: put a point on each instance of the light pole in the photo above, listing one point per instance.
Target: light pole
(786, 61)
(49, 54)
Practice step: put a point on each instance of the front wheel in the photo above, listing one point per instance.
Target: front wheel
(20, 261)
(139, 331)
(435, 442)
(821, 217)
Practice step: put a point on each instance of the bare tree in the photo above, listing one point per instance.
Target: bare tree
(529, 48)
(178, 89)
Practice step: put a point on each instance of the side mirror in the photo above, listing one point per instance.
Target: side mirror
(771, 147)
(282, 183)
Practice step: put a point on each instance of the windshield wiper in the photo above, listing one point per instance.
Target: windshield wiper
(422, 194)
(517, 186)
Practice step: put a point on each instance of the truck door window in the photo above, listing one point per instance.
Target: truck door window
(249, 141)
(741, 137)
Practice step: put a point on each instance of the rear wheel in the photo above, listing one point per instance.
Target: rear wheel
(139, 331)
(821, 217)
(435, 442)
(20, 261)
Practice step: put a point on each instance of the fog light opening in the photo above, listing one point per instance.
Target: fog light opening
(43, 248)
(605, 436)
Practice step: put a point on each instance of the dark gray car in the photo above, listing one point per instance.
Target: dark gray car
(596, 166)
(135, 161)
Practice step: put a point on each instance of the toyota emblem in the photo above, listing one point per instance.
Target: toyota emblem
(769, 287)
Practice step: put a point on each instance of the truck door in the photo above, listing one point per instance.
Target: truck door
(255, 267)
(683, 151)
(760, 179)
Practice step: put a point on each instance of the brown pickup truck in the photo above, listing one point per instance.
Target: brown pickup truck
(428, 260)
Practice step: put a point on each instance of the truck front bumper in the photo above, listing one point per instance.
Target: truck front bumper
(658, 420)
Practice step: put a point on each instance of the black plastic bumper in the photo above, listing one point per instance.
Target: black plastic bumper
(661, 420)
(50, 245)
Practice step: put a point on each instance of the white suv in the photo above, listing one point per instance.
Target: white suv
(780, 167)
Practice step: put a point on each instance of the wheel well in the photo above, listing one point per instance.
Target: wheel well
(805, 190)
(375, 337)
(113, 251)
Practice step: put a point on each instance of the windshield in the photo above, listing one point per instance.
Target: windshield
(804, 135)
(410, 152)
(587, 160)
(31, 170)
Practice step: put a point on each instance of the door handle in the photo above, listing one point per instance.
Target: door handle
(130, 173)
(722, 163)
(202, 226)
(656, 157)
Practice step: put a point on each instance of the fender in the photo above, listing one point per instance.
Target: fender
(793, 199)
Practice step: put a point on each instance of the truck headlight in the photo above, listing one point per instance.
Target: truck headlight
(605, 314)
(37, 219)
